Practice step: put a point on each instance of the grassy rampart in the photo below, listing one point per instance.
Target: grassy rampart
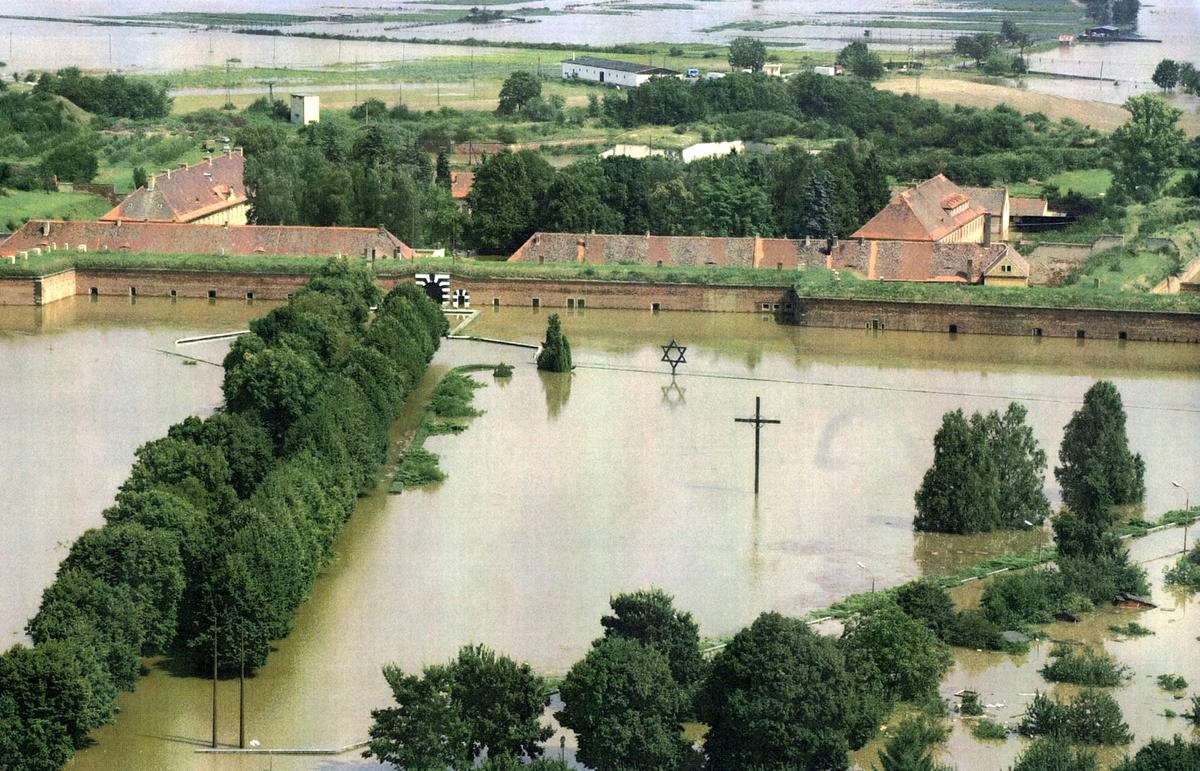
(808, 283)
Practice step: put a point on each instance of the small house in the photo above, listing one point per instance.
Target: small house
(306, 108)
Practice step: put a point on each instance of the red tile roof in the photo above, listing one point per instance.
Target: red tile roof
(171, 238)
(927, 212)
(186, 194)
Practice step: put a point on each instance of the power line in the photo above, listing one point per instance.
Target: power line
(890, 389)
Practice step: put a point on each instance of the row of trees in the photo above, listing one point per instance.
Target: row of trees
(1169, 73)
(1120, 12)
(345, 173)
(112, 96)
(223, 524)
(789, 193)
(777, 696)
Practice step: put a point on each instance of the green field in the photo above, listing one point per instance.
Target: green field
(18, 206)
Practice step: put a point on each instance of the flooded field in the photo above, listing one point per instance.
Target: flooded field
(572, 488)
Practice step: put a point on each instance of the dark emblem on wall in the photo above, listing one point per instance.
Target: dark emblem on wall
(436, 285)
(462, 299)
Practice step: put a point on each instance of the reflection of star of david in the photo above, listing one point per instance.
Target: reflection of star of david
(673, 355)
(673, 394)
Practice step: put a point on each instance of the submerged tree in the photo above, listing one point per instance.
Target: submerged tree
(455, 713)
(1097, 470)
(987, 472)
(959, 492)
(556, 350)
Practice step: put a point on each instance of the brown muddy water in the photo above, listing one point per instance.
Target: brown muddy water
(571, 488)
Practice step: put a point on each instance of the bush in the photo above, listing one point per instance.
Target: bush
(1085, 668)
(1017, 598)
(986, 730)
(1132, 629)
(502, 370)
(970, 703)
(1093, 717)
(1171, 682)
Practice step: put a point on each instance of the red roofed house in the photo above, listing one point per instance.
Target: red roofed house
(210, 192)
(168, 238)
(935, 211)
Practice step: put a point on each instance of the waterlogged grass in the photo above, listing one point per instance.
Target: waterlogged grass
(449, 406)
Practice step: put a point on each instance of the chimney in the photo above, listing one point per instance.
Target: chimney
(970, 271)
(46, 228)
(209, 159)
(239, 151)
(150, 183)
(167, 172)
(987, 229)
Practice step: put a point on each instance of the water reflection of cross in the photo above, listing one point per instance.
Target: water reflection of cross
(673, 355)
(758, 420)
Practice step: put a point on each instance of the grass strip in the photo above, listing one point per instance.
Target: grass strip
(449, 405)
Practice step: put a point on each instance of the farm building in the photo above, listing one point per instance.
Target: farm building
(613, 72)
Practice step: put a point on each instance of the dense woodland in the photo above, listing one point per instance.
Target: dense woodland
(218, 533)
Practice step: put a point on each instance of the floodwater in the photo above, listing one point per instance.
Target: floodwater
(1123, 70)
(86, 383)
(569, 488)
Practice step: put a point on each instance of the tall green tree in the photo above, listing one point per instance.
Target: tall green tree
(778, 697)
(649, 616)
(518, 90)
(859, 60)
(555, 355)
(816, 216)
(1097, 470)
(506, 200)
(451, 716)
(1166, 74)
(1020, 465)
(502, 703)
(1045, 754)
(624, 705)
(425, 731)
(885, 646)
(959, 493)
(747, 53)
(1146, 148)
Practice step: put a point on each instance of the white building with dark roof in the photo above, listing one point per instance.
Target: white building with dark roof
(612, 72)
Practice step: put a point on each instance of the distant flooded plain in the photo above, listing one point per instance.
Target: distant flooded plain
(570, 488)
(97, 37)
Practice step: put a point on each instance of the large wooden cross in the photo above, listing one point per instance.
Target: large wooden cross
(758, 420)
